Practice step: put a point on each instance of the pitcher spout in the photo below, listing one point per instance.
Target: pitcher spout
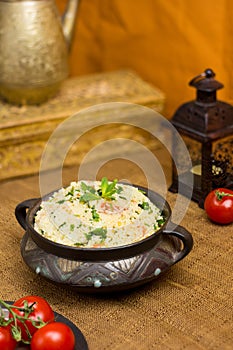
(68, 20)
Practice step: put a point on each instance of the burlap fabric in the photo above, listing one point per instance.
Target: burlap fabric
(188, 307)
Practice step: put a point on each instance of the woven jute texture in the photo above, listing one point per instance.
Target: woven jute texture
(188, 307)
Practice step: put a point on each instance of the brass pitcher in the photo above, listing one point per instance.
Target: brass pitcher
(34, 49)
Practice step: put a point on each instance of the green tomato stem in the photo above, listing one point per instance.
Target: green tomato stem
(16, 330)
(221, 195)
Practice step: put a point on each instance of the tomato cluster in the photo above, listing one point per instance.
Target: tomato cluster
(32, 321)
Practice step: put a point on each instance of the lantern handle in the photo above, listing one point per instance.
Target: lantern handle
(208, 73)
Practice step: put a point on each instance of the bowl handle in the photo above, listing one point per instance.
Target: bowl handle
(186, 238)
(21, 211)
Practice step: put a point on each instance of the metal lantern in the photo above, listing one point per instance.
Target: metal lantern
(206, 127)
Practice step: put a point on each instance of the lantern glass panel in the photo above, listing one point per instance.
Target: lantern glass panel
(222, 159)
(186, 165)
(194, 148)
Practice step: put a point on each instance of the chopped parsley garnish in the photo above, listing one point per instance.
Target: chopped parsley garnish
(95, 215)
(144, 205)
(119, 190)
(160, 222)
(61, 201)
(143, 192)
(100, 231)
(78, 244)
(72, 227)
(71, 191)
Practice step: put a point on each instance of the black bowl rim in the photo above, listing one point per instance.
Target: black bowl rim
(99, 254)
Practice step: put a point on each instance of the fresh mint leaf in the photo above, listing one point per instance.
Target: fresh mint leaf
(107, 190)
(87, 188)
(104, 185)
(89, 196)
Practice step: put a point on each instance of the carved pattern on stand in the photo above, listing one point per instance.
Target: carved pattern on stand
(101, 275)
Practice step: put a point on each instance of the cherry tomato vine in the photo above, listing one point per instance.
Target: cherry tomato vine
(30, 320)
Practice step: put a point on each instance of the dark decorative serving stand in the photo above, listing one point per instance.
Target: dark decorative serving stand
(106, 276)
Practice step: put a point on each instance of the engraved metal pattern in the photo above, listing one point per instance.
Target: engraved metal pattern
(102, 276)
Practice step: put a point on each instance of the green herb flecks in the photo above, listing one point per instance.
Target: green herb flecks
(144, 205)
(72, 226)
(71, 192)
(61, 201)
(142, 191)
(95, 215)
(63, 224)
(159, 223)
(78, 244)
(119, 189)
(100, 231)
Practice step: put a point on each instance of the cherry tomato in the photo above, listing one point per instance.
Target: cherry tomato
(53, 336)
(219, 206)
(39, 310)
(7, 342)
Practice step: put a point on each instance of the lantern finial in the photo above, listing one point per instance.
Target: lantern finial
(206, 86)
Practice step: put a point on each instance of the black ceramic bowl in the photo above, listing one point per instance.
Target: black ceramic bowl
(25, 214)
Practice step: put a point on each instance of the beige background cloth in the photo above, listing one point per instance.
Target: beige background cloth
(188, 307)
